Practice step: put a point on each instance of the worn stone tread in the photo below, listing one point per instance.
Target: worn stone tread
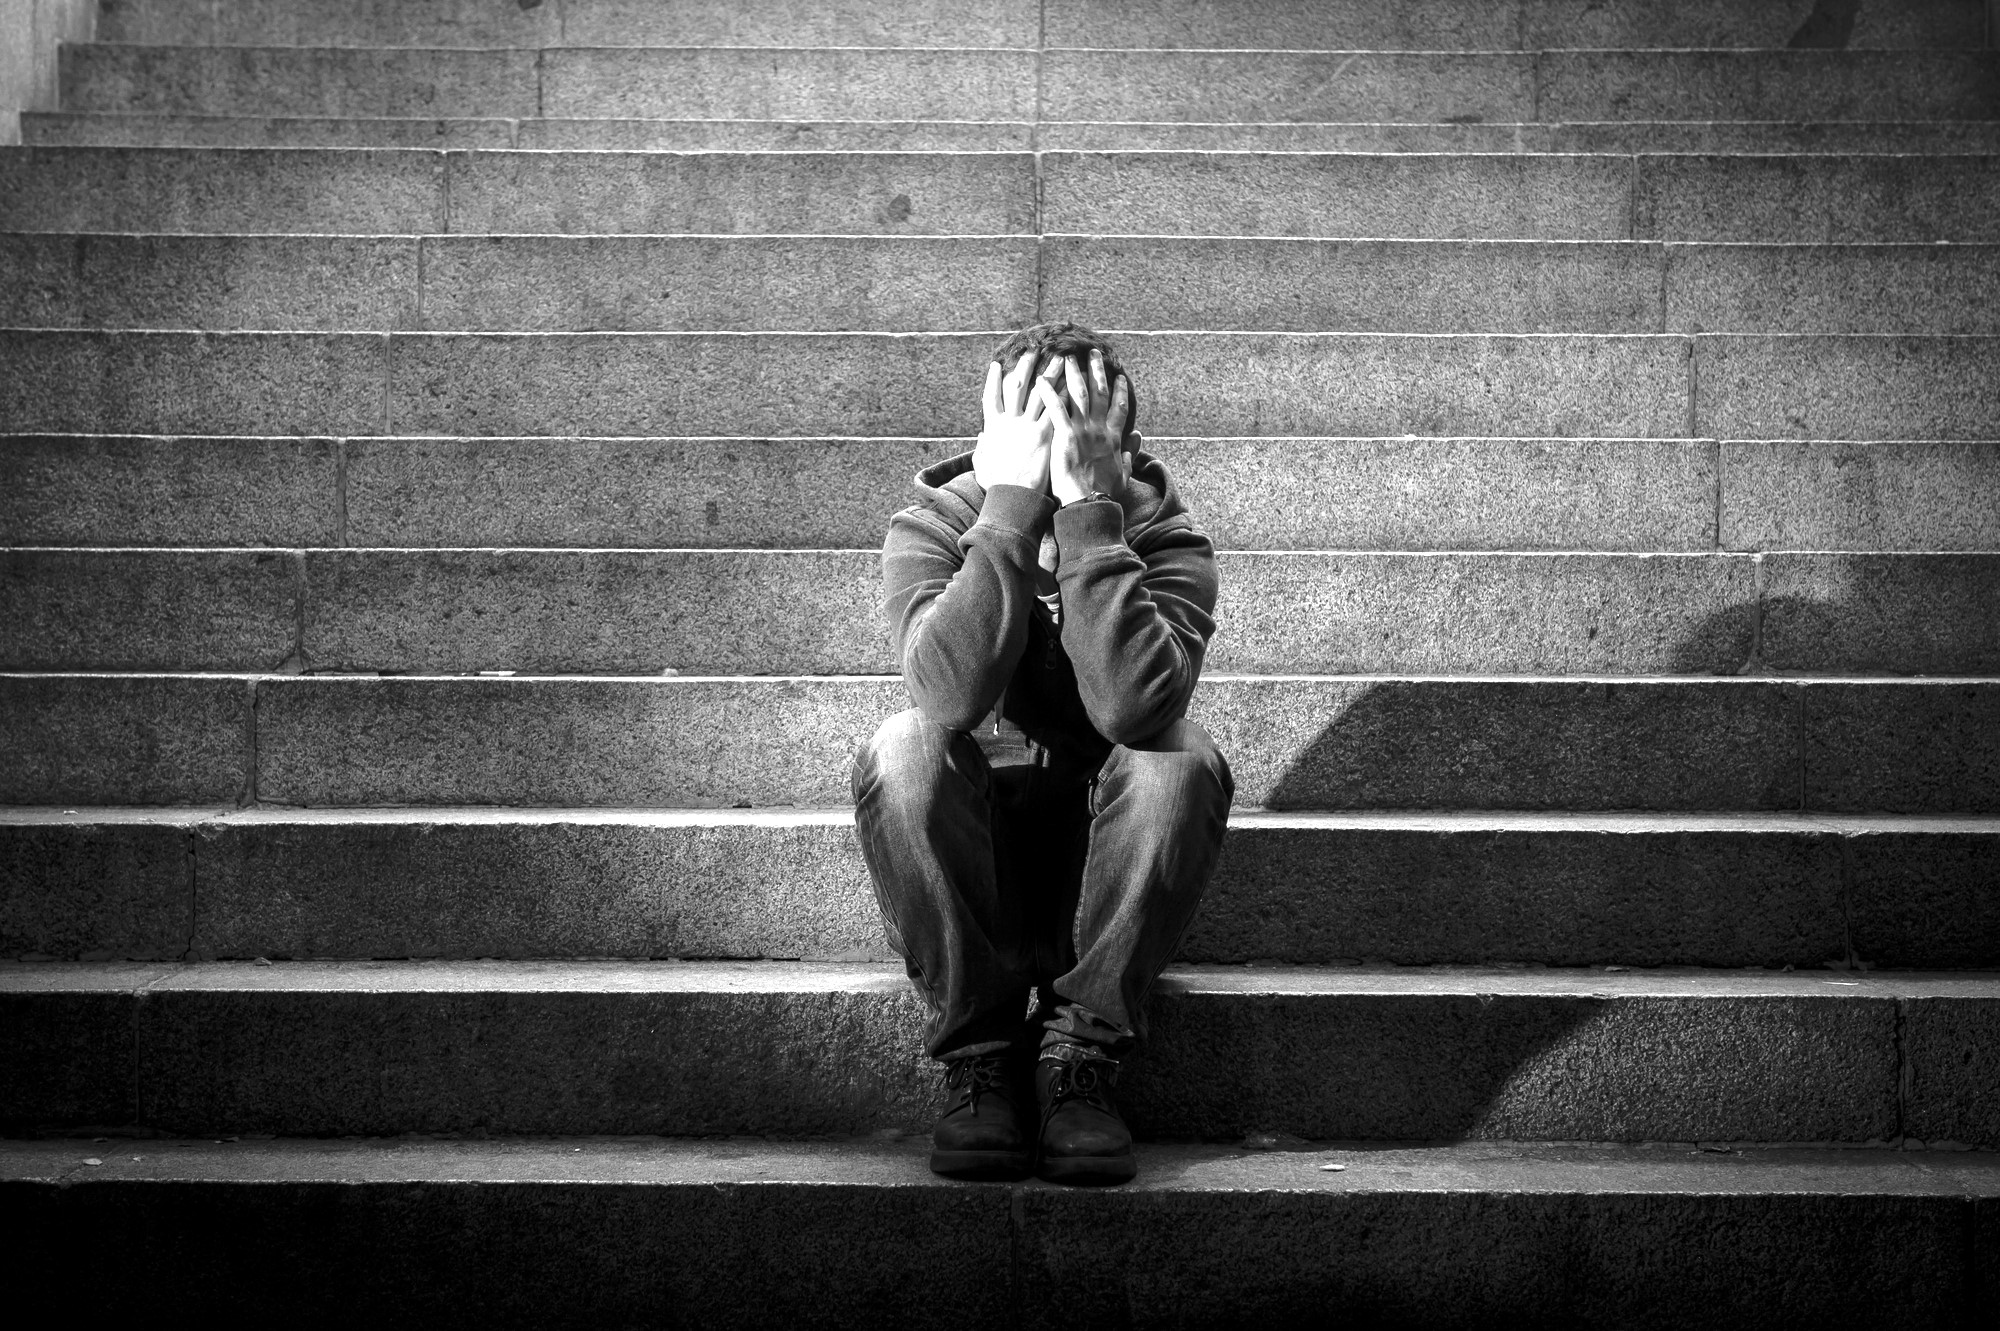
(1413, 888)
(1858, 744)
(796, 1048)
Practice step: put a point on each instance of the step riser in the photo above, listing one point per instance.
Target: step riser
(764, 1238)
(817, 612)
(215, 1054)
(1817, 199)
(87, 129)
(633, 887)
(1012, 85)
(1835, 387)
(1480, 25)
(1876, 746)
(909, 284)
(1527, 494)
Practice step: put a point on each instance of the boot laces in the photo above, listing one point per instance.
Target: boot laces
(1087, 1079)
(973, 1077)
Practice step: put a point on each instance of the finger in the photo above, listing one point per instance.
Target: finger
(1049, 402)
(1121, 407)
(1100, 391)
(1078, 393)
(990, 399)
(1014, 394)
(1134, 441)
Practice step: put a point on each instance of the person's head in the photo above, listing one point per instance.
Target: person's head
(1063, 338)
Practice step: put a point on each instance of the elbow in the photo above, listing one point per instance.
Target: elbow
(1134, 719)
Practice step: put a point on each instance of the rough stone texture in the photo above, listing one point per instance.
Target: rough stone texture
(96, 129)
(1505, 744)
(1293, 743)
(687, 1049)
(195, 383)
(1484, 25)
(707, 284)
(871, 136)
(240, 79)
(675, 743)
(68, 1042)
(550, 1047)
(1846, 387)
(1856, 200)
(841, 84)
(1929, 289)
(105, 739)
(694, 612)
(469, 1233)
(1765, 85)
(1446, 494)
(812, 493)
(800, 23)
(1891, 746)
(1417, 198)
(342, 23)
(1564, 891)
(674, 384)
(1508, 1063)
(1981, 137)
(221, 190)
(1903, 613)
(1333, 85)
(1363, 384)
(70, 490)
(1348, 613)
(453, 884)
(148, 609)
(1383, 286)
(95, 888)
(1953, 1050)
(1793, 495)
(599, 193)
(280, 283)
(1930, 897)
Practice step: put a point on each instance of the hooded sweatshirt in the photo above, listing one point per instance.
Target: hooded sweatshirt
(1083, 625)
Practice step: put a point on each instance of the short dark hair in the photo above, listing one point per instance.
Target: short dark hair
(1065, 338)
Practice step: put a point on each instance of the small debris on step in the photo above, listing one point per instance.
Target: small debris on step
(1333, 1169)
(92, 1160)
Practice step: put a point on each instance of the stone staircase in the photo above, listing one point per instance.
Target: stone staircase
(445, 445)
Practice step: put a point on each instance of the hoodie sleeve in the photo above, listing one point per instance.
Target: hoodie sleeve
(959, 606)
(1135, 628)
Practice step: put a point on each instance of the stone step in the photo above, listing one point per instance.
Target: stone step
(1480, 25)
(1854, 745)
(853, 1233)
(817, 612)
(1561, 889)
(103, 129)
(1857, 387)
(1011, 85)
(937, 284)
(1814, 198)
(799, 1048)
(1508, 494)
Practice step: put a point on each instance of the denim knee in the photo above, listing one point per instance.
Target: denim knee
(905, 759)
(1180, 765)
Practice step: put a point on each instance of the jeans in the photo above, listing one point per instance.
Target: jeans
(1001, 867)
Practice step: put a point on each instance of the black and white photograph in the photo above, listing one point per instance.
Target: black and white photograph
(1063, 665)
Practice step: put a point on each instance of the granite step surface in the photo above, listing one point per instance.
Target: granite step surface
(1809, 891)
(1636, 495)
(1868, 744)
(1855, 387)
(111, 129)
(949, 284)
(1800, 198)
(848, 83)
(797, 1048)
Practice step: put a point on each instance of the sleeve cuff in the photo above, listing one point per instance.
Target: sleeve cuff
(1016, 508)
(1081, 526)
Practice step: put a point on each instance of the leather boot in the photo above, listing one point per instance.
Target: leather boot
(1083, 1140)
(983, 1130)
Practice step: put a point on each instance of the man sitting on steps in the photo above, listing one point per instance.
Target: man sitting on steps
(1045, 818)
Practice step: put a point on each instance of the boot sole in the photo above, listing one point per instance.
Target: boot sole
(982, 1164)
(1090, 1169)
